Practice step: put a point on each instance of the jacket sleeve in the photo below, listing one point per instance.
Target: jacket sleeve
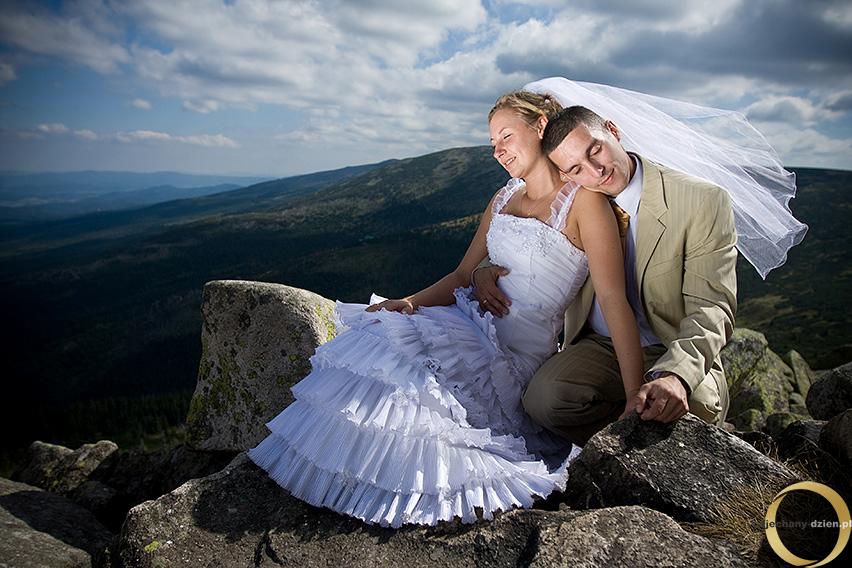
(709, 293)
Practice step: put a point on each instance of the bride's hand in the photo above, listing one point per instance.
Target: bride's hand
(402, 306)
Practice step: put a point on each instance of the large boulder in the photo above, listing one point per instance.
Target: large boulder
(836, 439)
(240, 517)
(685, 468)
(759, 382)
(256, 341)
(40, 529)
(831, 394)
(59, 469)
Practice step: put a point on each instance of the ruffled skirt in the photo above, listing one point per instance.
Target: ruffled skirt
(412, 419)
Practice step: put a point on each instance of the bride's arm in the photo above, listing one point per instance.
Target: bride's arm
(441, 292)
(600, 239)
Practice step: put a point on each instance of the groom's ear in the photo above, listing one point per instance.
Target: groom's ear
(613, 129)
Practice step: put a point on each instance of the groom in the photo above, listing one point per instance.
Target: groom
(680, 265)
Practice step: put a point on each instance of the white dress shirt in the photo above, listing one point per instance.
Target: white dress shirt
(628, 200)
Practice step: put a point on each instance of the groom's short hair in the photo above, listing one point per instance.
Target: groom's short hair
(566, 120)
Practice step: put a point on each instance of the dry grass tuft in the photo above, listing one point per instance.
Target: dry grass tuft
(739, 518)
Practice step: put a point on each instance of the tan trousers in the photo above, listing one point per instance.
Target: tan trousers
(579, 391)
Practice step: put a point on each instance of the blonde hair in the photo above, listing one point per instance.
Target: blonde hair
(528, 105)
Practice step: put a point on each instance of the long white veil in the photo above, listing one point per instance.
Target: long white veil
(717, 145)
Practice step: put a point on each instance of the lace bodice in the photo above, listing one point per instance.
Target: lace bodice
(546, 273)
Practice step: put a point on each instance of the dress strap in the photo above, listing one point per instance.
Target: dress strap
(506, 193)
(562, 204)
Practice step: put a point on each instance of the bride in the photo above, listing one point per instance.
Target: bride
(413, 413)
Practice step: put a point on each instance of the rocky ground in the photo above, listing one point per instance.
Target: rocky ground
(640, 494)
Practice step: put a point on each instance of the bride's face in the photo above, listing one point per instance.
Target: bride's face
(517, 144)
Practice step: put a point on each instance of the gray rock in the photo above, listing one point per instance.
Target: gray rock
(760, 441)
(758, 380)
(777, 422)
(97, 497)
(798, 437)
(836, 438)
(806, 446)
(239, 517)
(802, 373)
(831, 393)
(683, 469)
(40, 529)
(749, 420)
(108, 481)
(256, 342)
(60, 469)
(797, 405)
(742, 353)
(130, 477)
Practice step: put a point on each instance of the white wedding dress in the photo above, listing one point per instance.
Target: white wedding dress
(418, 418)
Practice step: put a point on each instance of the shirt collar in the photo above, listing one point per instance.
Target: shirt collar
(629, 198)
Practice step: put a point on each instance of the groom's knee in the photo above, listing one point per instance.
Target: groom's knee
(538, 400)
(549, 389)
(573, 386)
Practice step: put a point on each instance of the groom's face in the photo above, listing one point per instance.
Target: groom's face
(595, 159)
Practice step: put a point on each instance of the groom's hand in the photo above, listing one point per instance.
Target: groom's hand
(663, 399)
(485, 289)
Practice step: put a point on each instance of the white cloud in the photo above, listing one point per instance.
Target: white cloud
(86, 134)
(68, 38)
(207, 140)
(7, 73)
(52, 128)
(787, 109)
(840, 101)
(840, 16)
(143, 136)
(134, 136)
(205, 106)
(141, 104)
(313, 56)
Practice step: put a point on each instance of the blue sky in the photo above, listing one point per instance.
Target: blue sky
(287, 87)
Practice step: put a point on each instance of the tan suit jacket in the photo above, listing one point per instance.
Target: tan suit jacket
(686, 272)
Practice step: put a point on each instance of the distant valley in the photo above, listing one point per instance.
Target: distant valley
(35, 197)
(103, 309)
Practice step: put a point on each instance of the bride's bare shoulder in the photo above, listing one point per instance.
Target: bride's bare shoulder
(587, 198)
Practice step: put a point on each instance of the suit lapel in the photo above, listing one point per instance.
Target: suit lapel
(651, 218)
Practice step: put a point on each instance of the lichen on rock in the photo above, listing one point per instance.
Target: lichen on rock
(257, 339)
(761, 384)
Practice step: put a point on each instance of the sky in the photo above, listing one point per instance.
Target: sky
(278, 88)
